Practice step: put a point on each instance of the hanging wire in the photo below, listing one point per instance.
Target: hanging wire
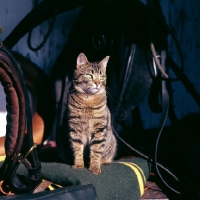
(141, 154)
(165, 100)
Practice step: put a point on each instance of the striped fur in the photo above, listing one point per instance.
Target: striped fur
(89, 118)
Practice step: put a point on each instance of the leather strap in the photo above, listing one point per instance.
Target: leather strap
(42, 186)
(19, 147)
(136, 81)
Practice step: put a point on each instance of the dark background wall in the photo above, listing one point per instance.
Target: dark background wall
(182, 16)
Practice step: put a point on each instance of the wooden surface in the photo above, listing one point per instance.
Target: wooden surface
(152, 192)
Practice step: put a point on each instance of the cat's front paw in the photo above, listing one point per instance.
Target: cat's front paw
(78, 166)
(95, 170)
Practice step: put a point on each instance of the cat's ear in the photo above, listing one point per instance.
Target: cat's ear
(104, 62)
(82, 59)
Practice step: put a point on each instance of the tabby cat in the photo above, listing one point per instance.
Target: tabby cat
(89, 119)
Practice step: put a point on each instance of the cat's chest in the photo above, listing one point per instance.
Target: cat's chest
(87, 110)
(87, 103)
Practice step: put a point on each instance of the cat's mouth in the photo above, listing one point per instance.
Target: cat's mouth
(92, 90)
(95, 90)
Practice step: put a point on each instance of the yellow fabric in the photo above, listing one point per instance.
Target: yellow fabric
(139, 173)
(59, 186)
(51, 188)
(2, 158)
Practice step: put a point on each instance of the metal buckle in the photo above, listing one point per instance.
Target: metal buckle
(154, 65)
(29, 151)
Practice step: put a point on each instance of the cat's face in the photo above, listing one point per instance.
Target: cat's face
(90, 78)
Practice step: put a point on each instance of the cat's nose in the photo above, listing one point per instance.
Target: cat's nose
(96, 82)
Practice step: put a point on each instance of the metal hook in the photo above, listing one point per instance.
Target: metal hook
(154, 65)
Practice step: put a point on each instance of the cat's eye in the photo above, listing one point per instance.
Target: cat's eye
(89, 76)
(102, 77)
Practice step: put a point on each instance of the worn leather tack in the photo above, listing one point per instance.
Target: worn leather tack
(137, 80)
(19, 120)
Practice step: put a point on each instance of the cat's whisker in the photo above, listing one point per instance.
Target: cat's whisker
(109, 94)
(108, 90)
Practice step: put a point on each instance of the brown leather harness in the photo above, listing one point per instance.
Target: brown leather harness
(19, 147)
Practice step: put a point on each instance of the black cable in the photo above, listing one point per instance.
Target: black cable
(165, 95)
(140, 153)
(165, 108)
